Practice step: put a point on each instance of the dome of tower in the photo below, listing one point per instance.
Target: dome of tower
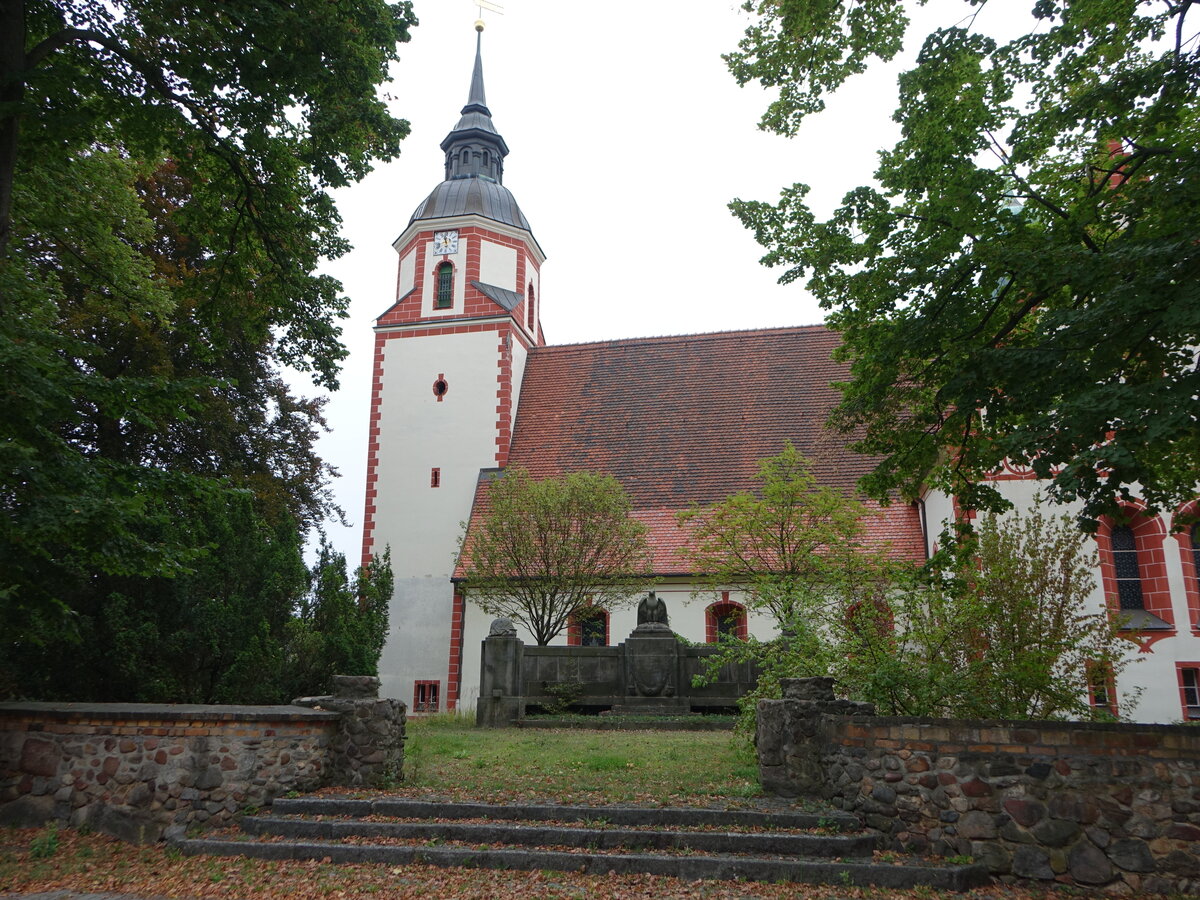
(464, 196)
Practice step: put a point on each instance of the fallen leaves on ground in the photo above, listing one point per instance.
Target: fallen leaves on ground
(95, 863)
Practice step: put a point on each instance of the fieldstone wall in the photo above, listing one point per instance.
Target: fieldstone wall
(1114, 807)
(144, 771)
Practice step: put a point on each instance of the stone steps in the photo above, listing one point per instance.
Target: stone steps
(779, 845)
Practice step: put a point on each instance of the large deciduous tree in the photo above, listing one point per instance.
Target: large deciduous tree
(546, 550)
(1023, 280)
(165, 171)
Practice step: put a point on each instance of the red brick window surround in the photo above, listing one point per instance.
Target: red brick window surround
(1133, 565)
(529, 310)
(1189, 689)
(589, 629)
(440, 387)
(445, 286)
(1188, 538)
(435, 477)
(725, 618)
(426, 695)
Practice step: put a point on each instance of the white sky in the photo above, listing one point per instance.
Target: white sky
(627, 138)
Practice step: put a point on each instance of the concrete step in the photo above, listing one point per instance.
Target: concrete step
(785, 843)
(661, 817)
(688, 867)
(779, 845)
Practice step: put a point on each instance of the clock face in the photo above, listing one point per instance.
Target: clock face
(445, 242)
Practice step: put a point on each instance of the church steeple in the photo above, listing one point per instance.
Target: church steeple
(474, 149)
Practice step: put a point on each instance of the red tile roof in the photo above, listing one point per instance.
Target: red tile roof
(685, 419)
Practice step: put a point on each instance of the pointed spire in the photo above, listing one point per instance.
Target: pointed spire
(477, 97)
(474, 149)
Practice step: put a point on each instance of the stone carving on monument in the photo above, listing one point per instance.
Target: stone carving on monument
(652, 660)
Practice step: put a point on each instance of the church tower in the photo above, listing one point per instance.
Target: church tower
(449, 356)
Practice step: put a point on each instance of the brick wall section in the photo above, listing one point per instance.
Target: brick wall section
(1095, 805)
(139, 771)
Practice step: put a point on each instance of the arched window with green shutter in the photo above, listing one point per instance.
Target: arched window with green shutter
(445, 286)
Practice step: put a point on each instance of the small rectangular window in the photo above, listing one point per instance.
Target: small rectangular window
(1190, 681)
(435, 477)
(425, 696)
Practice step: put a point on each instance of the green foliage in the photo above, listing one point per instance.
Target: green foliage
(546, 550)
(999, 630)
(45, 843)
(995, 629)
(796, 550)
(1021, 282)
(164, 207)
(794, 547)
(341, 626)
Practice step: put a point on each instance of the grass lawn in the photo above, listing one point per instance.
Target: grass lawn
(445, 757)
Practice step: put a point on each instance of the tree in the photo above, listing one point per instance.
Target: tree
(164, 204)
(796, 549)
(545, 551)
(995, 628)
(793, 548)
(1022, 283)
(341, 625)
(999, 629)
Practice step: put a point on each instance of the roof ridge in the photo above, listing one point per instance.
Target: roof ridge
(676, 338)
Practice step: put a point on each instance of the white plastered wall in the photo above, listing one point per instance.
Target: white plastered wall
(408, 273)
(498, 265)
(420, 522)
(1148, 688)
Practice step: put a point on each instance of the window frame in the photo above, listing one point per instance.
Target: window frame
(427, 696)
(443, 287)
(721, 611)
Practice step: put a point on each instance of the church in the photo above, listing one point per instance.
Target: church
(464, 384)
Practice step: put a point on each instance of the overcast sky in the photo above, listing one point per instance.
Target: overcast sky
(627, 139)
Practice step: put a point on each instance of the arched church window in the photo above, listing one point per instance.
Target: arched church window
(466, 157)
(445, 286)
(487, 159)
(725, 620)
(1125, 562)
(529, 310)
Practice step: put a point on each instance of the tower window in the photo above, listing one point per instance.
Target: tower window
(440, 386)
(435, 477)
(529, 310)
(445, 286)
(1125, 561)
(466, 157)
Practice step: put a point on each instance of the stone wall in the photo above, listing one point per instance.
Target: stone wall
(1112, 806)
(140, 771)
